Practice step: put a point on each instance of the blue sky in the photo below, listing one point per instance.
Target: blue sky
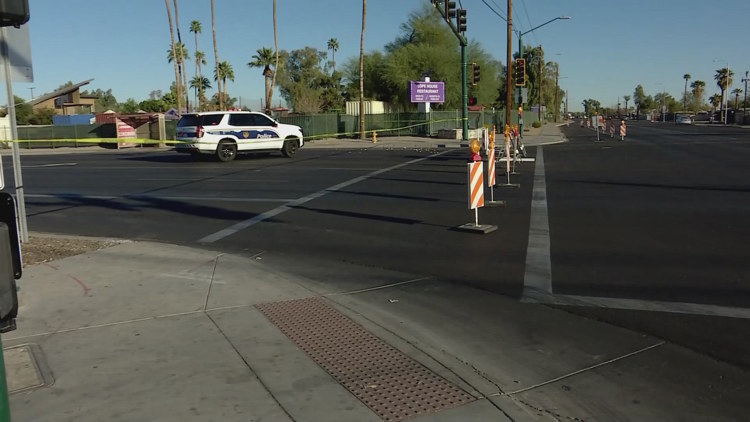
(604, 51)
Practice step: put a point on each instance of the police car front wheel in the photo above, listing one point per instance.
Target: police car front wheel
(290, 147)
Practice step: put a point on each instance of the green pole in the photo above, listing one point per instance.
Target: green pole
(464, 96)
(520, 98)
(4, 402)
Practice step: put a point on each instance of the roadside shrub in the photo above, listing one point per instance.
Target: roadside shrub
(537, 124)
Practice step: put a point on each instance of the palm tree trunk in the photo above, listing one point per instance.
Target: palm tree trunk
(181, 65)
(269, 89)
(174, 59)
(216, 56)
(362, 73)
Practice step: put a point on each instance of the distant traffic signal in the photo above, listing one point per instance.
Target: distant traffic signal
(450, 9)
(520, 72)
(461, 20)
(474, 73)
(472, 101)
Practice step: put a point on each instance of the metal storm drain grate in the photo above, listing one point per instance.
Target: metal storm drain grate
(390, 383)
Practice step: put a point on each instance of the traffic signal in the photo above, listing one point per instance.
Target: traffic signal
(472, 101)
(450, 9)
(474, 73)
(520, 72)
(14, 12)
(461, 20)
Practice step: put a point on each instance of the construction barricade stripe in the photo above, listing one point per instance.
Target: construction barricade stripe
(476, 184)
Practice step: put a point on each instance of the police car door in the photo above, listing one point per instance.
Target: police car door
(249, 135)
(267, 131)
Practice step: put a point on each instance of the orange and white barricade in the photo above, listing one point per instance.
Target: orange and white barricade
(623, 130)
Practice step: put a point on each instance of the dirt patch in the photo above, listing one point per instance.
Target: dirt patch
(40, 249)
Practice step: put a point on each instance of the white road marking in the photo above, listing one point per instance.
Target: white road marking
(538, 275)
(291, 204)
(168, 198)
(537, 282)
(49, 165)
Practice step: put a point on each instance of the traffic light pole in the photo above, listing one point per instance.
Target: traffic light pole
(449, 12)
(464, 96)
(520, 96)
(509, 81)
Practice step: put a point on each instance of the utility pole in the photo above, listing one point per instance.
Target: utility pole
(557, 79)
(509, 67)
(744, 102)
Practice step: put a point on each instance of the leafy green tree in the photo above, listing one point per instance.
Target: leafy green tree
(105, 99)
(302, 79)
(24, 111)
(590, 106)
(129, 106)
(639, 96)
(424, 45)
(159, 105)
(42, 116)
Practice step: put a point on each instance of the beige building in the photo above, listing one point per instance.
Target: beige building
(67, 100)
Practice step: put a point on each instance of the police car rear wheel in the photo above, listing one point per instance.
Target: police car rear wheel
(290, 147)
(226, 151)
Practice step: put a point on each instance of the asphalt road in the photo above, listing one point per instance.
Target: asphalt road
(659, 218)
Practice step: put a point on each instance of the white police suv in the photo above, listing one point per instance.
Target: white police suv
(227, 133)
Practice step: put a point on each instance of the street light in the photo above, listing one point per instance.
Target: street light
(520, 47)
(521, 34)
(744, 102)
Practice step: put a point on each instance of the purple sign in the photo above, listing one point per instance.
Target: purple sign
(427, 92)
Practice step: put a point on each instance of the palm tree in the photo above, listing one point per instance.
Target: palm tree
(225, 71)
(686, 77)
(176, 70)
(180, 51)
(362, 73)
(216, 55)
(181, 63)
(715, 101)
(200, 60)
(736, 93)
(195, 28)
(723, 79)
(264, 58)
(333, 45)
(200, 84)
(698, 90)
(182, 54)
(627, 98)
(276, 63)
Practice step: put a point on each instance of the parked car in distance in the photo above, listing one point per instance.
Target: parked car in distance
(228, 133)
(683, 120)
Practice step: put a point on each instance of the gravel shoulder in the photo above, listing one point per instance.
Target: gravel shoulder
(43, 248)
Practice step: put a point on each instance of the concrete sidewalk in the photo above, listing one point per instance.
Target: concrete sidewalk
(158, 332)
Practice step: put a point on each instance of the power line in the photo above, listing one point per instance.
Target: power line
(495, 11)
